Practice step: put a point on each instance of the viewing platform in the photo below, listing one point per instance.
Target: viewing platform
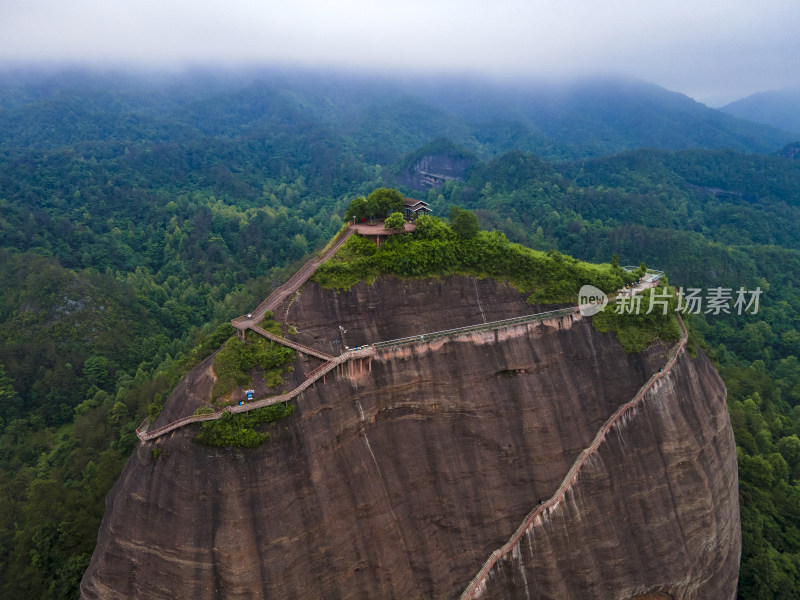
(376, 231)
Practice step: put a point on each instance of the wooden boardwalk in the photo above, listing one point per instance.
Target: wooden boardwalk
(291, 344)
(282, 292)
(332, 362)
(144, 434)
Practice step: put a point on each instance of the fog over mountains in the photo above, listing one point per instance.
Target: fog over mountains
(383, 118)
(778, 108)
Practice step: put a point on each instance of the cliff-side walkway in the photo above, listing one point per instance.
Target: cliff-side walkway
(478, 582)
(291, 344)
(282, 292)
(331, 362)
(144, 434)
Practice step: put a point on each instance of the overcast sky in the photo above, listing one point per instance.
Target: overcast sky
(713, 50)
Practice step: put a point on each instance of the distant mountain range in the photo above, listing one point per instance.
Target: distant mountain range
(778, 108)
(602, 116)
(380, 119)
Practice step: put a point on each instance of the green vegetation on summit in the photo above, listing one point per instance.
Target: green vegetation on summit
(395, 221)
(639, 327)
(379, 203)
(436, 249)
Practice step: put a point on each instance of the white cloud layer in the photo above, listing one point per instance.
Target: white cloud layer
(713, 50)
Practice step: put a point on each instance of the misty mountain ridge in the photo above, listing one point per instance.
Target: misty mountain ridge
(777, 108)
(381, 120)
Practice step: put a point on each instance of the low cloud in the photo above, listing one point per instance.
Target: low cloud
(715, 51)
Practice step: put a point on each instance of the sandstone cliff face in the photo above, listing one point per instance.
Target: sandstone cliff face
(394, 308)
(653, 514)
(398, 478)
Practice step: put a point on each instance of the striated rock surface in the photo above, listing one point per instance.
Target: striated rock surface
(398, 477)
(652, 514)
(434, 170)
(395, 308)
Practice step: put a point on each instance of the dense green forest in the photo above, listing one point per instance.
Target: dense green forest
(137, 217)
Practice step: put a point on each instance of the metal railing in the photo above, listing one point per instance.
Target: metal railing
(476, 327)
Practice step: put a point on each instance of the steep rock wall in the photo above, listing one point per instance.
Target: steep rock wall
(653, 514)
(393, 308)
(395, 479)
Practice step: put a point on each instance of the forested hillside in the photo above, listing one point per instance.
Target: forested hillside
(376, 119)
(137, 217)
